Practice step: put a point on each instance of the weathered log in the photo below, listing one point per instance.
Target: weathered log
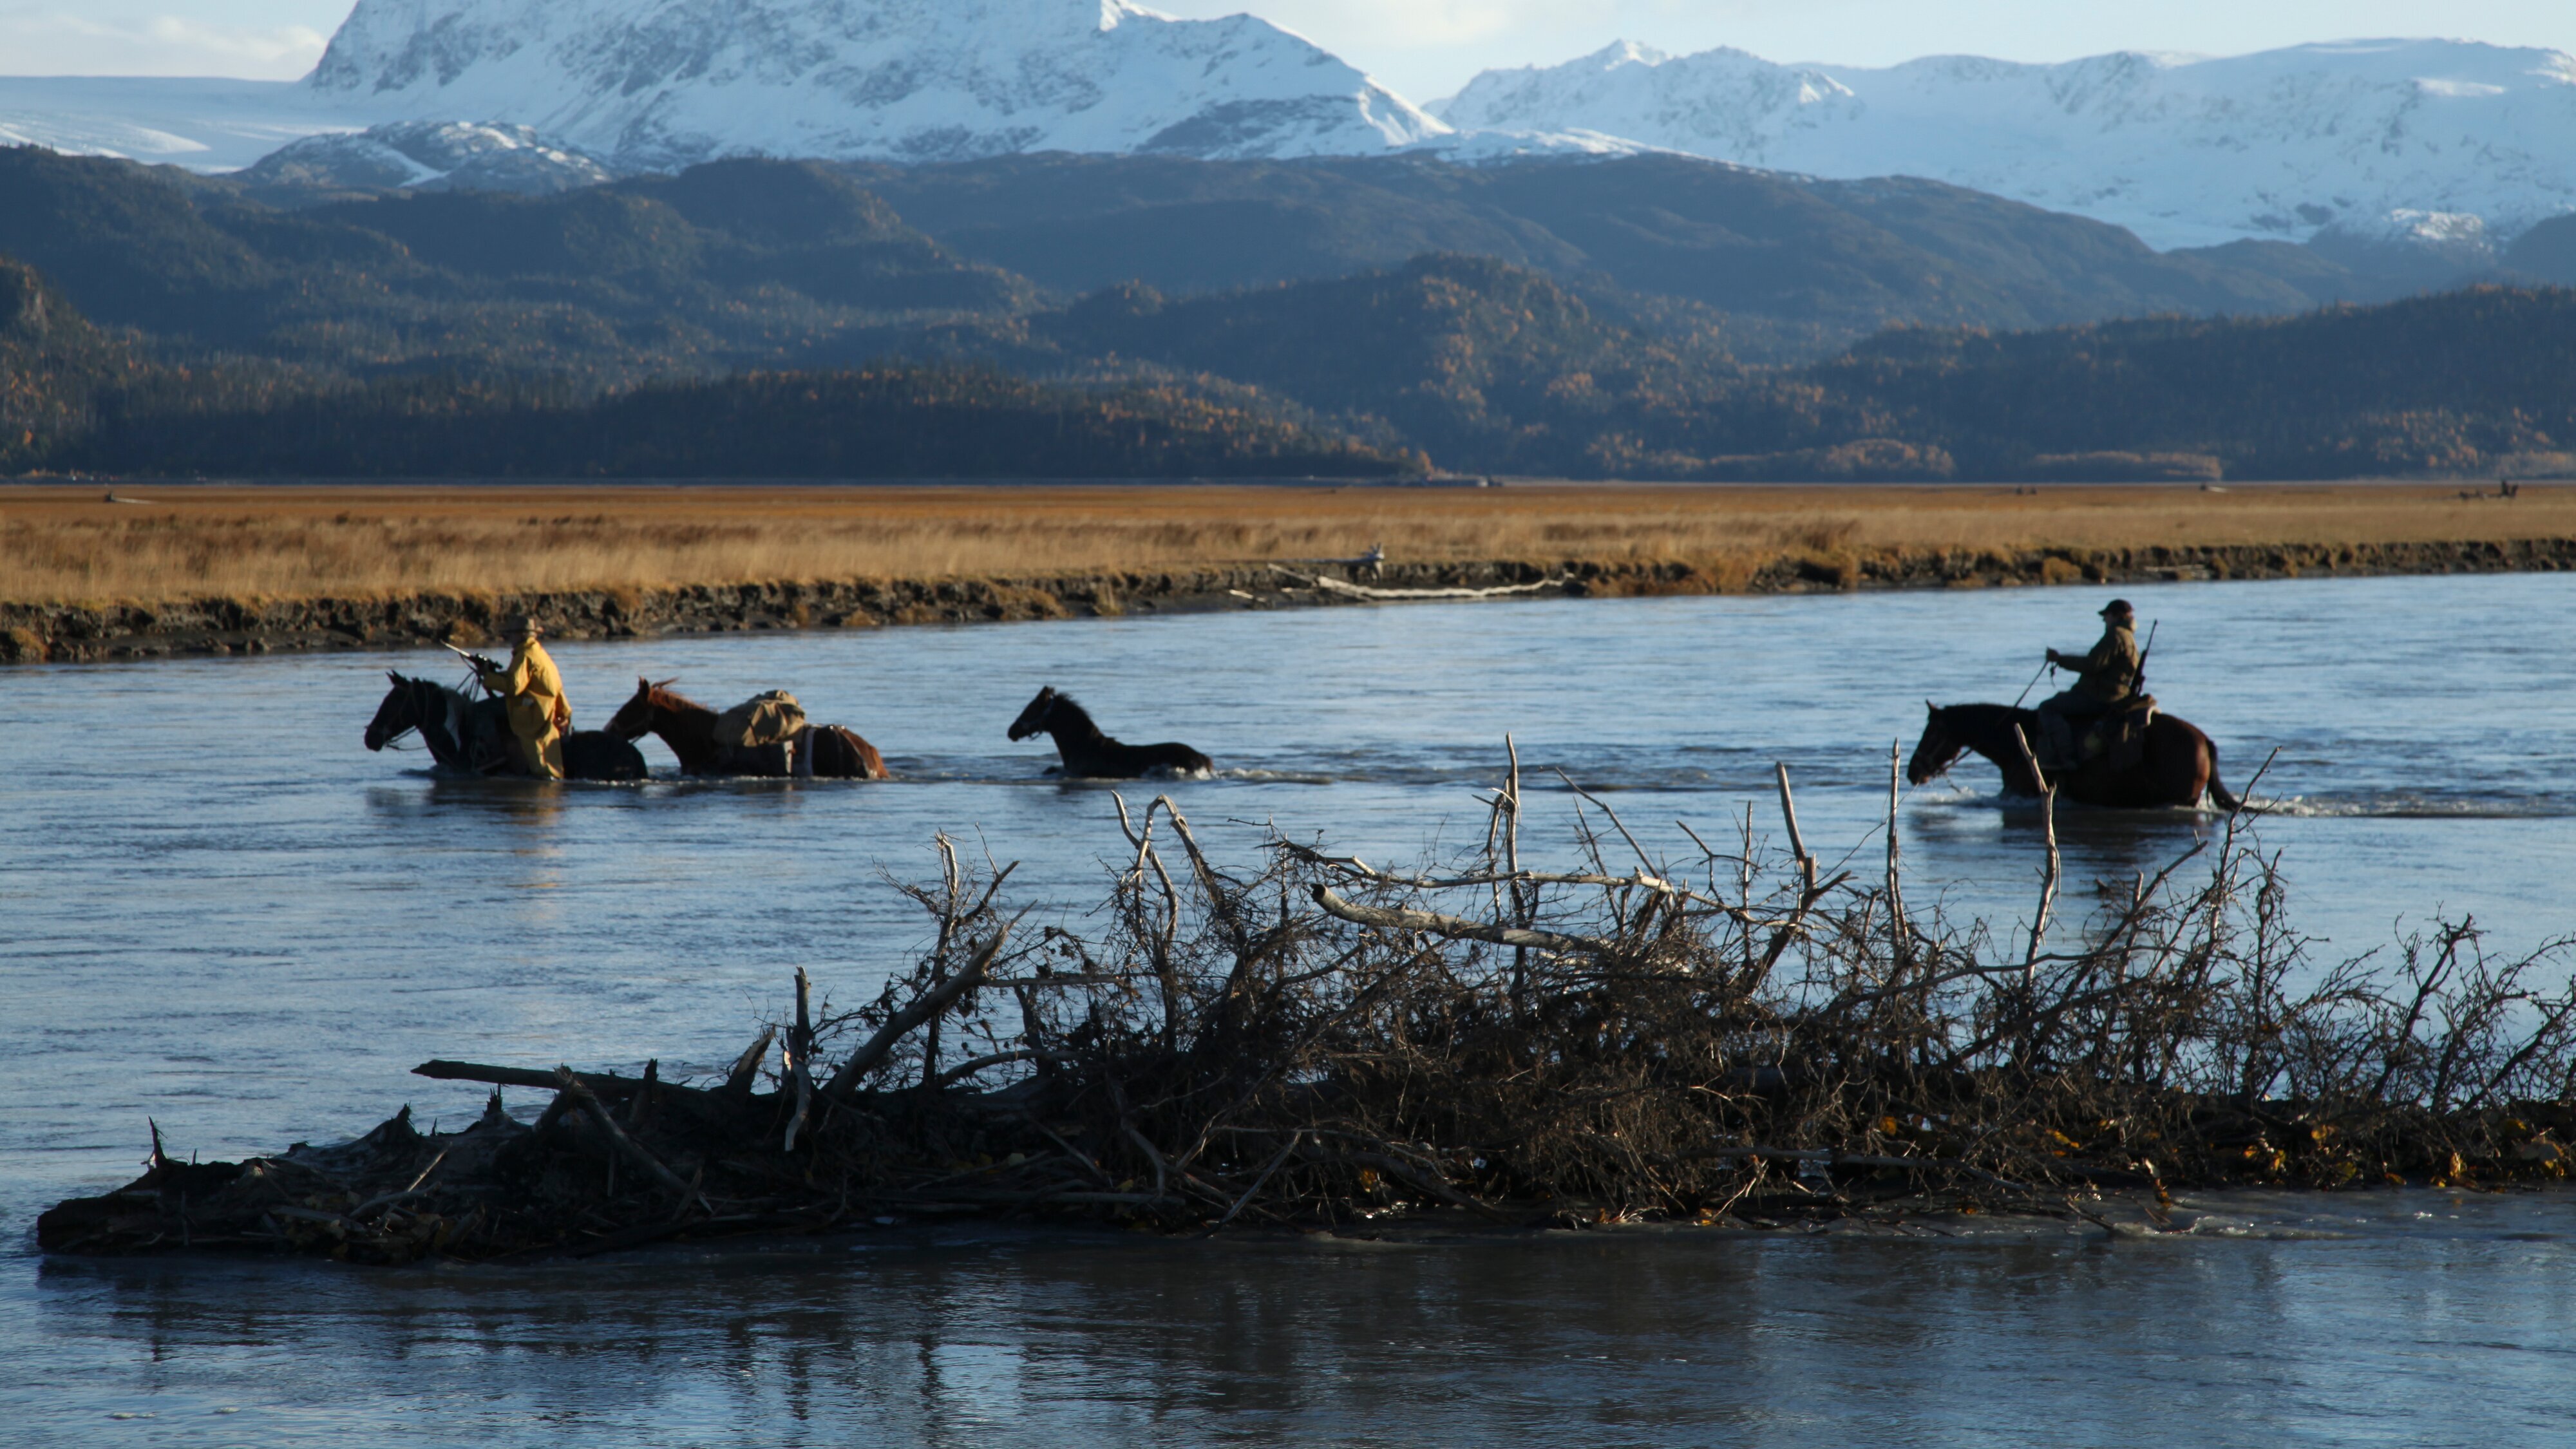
(1364, 591)
(592, 1108)
(1396, 919)
(746, 1068)
(929, 1004)
(599, 1082)
(800, 1060)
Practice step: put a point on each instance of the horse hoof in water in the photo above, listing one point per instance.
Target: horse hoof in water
(1089, 754)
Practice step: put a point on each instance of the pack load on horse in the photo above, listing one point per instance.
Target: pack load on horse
(769, 719)
(765, 735)
(2101, 742)
(468, 736)
(1089, 754)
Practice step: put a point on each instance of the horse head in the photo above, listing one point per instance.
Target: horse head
(1035, 717)
(398, 715)
(634, 718)
(1938, 750)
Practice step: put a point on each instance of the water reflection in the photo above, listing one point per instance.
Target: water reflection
(2294, 1334)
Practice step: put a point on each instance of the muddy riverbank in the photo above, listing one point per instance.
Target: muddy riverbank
(89, 632)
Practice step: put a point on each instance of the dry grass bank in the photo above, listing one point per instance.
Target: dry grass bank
(63, 544)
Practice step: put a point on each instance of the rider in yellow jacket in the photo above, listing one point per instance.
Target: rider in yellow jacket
(533, 692)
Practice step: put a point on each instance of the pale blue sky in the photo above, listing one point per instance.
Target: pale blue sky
(1424, 48)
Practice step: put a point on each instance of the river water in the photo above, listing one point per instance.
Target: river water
(219, 911)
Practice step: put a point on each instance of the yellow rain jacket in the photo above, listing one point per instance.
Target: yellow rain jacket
(533, 693)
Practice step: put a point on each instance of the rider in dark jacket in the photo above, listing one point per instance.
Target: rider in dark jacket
(2105, 677)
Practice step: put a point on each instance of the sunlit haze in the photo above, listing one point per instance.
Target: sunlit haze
(1426, 48)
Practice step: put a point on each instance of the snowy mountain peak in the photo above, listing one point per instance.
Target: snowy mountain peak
(656, 83)
(2184, 150)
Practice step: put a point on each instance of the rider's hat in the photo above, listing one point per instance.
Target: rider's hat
(2117, 606)
(522, 625)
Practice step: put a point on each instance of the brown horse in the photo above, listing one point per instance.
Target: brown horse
(2179, 766)
(689, 728)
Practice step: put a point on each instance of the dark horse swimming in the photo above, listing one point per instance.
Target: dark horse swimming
(2178, 766)
(471, 736)
(689, 728)
(1089, 754)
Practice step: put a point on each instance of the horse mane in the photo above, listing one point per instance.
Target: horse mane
(663, 696)
(1987, 712)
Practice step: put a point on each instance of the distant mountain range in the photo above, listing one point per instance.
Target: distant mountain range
(310, 257)
(2443, 143)
(2431, 149)
(1596, 319)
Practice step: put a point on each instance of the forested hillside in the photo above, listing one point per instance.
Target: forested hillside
(73, 396)
(1488, 365)
(1798, 265)
(781, 264)
(738, 264)
(783, 319)
(881, 422)
(2462, 382)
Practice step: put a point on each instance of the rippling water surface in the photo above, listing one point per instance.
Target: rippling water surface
(218, 910)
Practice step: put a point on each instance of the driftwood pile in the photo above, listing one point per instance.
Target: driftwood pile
(1755, 1037)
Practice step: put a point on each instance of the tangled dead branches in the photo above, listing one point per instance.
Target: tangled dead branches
(1326, 1041)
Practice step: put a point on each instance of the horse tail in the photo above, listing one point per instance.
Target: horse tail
(2219, 794)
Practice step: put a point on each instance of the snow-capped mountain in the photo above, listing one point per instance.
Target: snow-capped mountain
(658, 83)
(2429, 148)
(2411, 142)
(431, 156)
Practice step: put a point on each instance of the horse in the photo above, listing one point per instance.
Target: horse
(689, 728)
(471, 736)
(2178, 766)
(1089, 754)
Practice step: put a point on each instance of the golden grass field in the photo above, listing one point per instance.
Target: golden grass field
(63, 544)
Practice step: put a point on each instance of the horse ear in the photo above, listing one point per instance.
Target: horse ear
(664, 683)
(396, 678)
(1930, 708)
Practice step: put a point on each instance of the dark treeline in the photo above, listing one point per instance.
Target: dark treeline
(2461, 382)
(76, 397)
(1490, 366)
(878, 422)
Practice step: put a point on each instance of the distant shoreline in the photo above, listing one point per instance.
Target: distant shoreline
(94, 571)
(208, 627)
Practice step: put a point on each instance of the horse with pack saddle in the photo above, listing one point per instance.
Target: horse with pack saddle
(765, 735)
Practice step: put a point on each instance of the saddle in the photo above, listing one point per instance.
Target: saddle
(2119, 733)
